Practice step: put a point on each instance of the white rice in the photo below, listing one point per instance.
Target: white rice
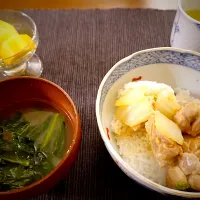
(183, 96)
(134, 147)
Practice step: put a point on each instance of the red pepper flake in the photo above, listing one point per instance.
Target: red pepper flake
(7, 136)
(107, 131)
(136, 79)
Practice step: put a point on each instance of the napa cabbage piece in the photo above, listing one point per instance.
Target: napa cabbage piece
(130, 97)
(168, 128)
(151, 88)
(167, 104)
(135, 114)
(138, 101)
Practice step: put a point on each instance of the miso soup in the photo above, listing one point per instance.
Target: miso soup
(34, 137)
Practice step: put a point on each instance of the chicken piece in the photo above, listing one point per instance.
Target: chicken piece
(188, 163)
(176, 179)
(188, 118)
(166, 151)
(186, 174)
(197, 170)
(192, 145)
(194, 181)
(186, 143)
(194, 177)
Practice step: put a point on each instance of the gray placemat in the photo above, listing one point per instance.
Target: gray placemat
(78, 48)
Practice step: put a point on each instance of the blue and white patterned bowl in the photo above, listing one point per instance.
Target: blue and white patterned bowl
(175, 67)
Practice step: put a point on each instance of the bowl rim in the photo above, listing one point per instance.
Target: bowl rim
(75, 139)
(115, 156)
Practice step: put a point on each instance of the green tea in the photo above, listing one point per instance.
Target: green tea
(195, 14)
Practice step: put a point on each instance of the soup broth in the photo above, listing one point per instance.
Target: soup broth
(34, 137)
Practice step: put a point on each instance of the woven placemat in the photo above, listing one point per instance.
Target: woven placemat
(78, 48)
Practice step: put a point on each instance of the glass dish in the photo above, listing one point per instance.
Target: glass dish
(26, 62)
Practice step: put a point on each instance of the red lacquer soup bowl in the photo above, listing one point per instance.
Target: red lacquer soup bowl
(23, 90)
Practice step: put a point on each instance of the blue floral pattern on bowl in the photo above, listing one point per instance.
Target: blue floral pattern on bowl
(146, 58)
(185, 31)
(176, 26)
(198, 26)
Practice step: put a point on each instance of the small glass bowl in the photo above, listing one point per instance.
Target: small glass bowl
(26, 62)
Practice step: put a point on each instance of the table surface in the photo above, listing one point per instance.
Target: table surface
(83, 4)
(77, 48)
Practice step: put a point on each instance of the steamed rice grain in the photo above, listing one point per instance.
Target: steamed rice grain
(135, 149)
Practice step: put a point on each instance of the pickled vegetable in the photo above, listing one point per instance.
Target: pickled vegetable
(13, 45)
(5, 34)
(29, 41)
(7, 26)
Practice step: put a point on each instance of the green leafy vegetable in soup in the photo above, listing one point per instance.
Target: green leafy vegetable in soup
(31, 145)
